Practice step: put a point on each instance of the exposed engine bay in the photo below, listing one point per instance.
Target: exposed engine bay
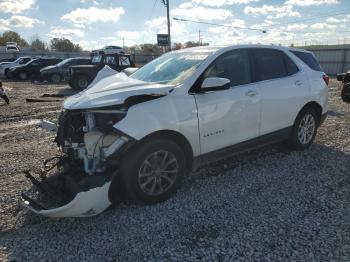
(91, 148)
(77, 183)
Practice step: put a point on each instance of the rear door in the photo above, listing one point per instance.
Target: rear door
(284, 88)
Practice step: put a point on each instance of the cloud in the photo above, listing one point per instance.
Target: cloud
(218, 3)
(272, 12)
(334, 20)
(311, 2)
(94, 2)
(69, 33)
(23, 21)
(93, 14)
(295, 27)
(200, 12)
(159, 25)
(4, 25)
(322, 26)
(229, 27)
(15, 6)
(18, 21)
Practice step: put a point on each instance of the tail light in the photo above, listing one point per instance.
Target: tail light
(326, 79)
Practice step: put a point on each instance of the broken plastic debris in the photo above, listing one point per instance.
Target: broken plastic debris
(49, 126)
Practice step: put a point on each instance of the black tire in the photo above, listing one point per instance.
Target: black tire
(55, 78)
(7, 73)
(81, 82)
(134, 161)
(345, 93)
(23, 75)
(297, 141)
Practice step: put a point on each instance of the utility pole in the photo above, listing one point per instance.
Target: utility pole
(166, 3)
(123, 43)
(199, 37)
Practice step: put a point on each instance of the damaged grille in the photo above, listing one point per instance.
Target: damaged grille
(70, 128)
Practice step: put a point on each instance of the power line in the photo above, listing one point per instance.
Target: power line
(214, 24)
(312, 18)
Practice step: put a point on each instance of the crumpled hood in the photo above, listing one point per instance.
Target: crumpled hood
(113, 90)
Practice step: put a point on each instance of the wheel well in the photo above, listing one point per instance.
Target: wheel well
(179, 139)
(316, 106)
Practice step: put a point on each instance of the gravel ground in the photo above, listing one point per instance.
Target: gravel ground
(268, 205)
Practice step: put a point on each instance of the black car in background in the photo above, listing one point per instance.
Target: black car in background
(345, 92)
(7, 60)
(31, 70)
(82, 75)
(59, 72)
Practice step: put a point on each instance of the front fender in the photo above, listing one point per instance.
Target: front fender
(172, 112)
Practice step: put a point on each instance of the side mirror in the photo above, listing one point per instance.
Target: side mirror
(215, 84)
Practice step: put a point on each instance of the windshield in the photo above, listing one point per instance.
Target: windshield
(65, 61)
(172, 68)
(17, 60)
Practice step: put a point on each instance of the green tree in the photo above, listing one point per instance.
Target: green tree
(64, 45)
(11, 36)
(177, 46)
(38, 44)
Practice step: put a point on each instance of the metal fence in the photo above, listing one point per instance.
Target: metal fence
(333, 59)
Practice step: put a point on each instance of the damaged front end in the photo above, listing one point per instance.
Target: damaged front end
(77, 183)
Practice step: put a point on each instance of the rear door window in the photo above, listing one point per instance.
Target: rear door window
(290, 65)
(308, 59)
(269, 64)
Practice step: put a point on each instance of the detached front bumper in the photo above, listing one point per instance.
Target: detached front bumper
(84, 204)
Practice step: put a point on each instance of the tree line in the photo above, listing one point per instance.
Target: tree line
(65, 45)
(56, 44)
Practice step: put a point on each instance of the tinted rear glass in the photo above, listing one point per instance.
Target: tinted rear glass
(269, 64)
(308, 59)
(291, 67)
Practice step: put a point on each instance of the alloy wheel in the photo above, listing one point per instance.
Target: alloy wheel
(158, 173)
(306, 129)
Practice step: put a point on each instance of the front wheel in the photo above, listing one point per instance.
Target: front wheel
(153, 171)
(304, 129)
(81, 82)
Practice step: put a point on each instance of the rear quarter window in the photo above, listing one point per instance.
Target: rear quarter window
(308, 59)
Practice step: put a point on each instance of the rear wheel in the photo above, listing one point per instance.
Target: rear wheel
(81, 82)
(55, 78)
(304, 129)
(153, 171)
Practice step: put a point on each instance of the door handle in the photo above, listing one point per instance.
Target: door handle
(298, 83)
(251, 93)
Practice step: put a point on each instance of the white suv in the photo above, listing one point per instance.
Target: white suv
(142, 134)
